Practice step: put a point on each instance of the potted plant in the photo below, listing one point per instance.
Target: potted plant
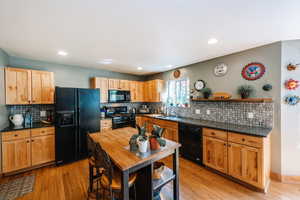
(155, 139)
(206, 93)
(142, 142)
(133, 140)
(142, 139)
(245, 91)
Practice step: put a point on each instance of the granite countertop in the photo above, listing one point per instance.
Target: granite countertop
(34, 125)
(248, 130)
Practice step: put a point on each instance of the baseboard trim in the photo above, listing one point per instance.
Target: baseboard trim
(284, 178)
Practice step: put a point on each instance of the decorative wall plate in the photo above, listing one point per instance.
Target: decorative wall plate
(291, 84)
(221, 69)
(292, 99)
(199, 85)
(253, 71)
(176, 73)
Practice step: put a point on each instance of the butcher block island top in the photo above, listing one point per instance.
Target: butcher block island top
(115, 143)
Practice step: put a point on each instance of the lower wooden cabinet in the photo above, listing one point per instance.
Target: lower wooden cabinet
(42, 148)
(27, 148)
(245, 163)
(105, 124)
(215, 153)
(243, 157)
(16, 154)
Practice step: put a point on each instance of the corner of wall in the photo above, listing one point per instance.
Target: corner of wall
(4, 57)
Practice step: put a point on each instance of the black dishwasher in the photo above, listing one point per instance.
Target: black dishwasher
(190, 137)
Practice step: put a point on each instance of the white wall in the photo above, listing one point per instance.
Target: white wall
(290, 115)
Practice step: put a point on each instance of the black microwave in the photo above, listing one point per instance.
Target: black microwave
(118, 96)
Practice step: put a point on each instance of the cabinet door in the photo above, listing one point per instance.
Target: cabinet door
(171, 134)
(124, 85)
(146, 91)
(42, 149)
(114, 84)
(252, 166)
(140, 91)
(17, 86)
(133, 91)
(42, 87)
(16, 155)
(103, 85)
(235, 160)
(215, 153)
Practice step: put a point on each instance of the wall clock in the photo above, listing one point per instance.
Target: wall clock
(253, 71)
(220, 69)
(199, 85)
(176, 73)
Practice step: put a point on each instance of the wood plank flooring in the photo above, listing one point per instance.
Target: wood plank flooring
(69, 182)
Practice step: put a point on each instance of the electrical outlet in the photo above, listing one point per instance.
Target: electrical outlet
(250, 115)
(43, 113)
(208, 112)
(197, 111)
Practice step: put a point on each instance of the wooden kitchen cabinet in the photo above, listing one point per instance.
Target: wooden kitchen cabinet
(248, 157)
(153, 90)
(245, 163)
(124, 85)
(140, 91)
(42, 87)
(134, 91)
(113, 84)
(43, 149)
(16, 154)
(27, 148)
(102, 85)
(105, 124)
(23, 86)
(17, 86)
(215, 153)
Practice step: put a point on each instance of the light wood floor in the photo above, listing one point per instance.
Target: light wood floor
(69, 182)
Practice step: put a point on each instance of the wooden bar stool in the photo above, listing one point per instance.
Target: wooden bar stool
(110, 179)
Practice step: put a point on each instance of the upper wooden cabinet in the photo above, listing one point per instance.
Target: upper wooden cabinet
(114, 84)
(17, 86)
(153, 90)
(42, 87)
(23, 86)
(102, 84)
(141, 91)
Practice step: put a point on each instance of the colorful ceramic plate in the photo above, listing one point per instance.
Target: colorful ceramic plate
(253, 71)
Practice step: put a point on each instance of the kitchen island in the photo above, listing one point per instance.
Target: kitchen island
(116, 144)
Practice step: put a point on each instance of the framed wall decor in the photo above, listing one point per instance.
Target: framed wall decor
(220, 70)
(176, 73)
(253, 71)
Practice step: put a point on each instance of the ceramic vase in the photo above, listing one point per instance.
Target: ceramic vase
(154, 145)
(143, 145)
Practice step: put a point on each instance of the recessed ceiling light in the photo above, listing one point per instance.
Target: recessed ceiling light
(62, 53)
(106, 61)
(169, 66)
(139, 68)
(212, 41)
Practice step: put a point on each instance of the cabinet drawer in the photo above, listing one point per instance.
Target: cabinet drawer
(245, 139)
(215, 133)
(15, 135)
(42, 131)
(165, 123)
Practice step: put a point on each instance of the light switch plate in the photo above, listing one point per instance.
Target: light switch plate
(43, 113)
(197, 111)
(250, 115)
(208, 112)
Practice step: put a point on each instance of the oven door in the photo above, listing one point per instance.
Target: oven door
(118, 96)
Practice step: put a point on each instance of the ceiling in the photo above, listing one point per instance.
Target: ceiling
(152, 34)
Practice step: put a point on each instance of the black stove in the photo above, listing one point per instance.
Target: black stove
(120, 117)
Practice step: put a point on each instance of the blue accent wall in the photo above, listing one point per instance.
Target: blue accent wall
(69, 75)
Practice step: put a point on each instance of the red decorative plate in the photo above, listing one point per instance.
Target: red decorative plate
(253, 71)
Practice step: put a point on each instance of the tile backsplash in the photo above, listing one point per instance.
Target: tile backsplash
(228, 112)
(33, 109)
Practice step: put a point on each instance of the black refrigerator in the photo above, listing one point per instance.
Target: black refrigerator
(77, 112)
